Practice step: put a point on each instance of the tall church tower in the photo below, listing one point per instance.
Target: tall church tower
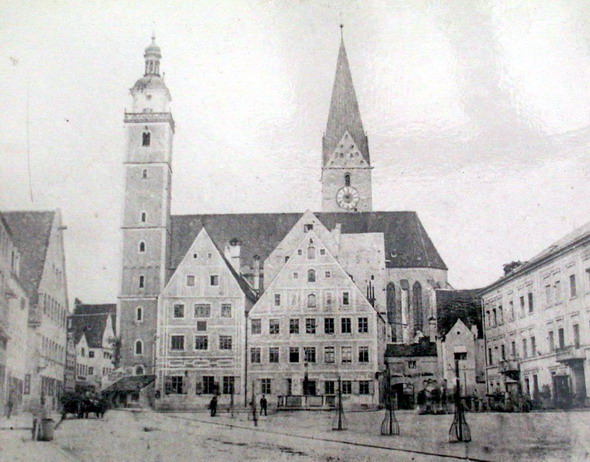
(146, 216)
(346, 165)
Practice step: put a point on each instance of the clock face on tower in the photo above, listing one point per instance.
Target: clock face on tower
(347, 198)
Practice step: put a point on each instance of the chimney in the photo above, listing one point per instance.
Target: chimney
(232, 253)
(257, 272)
(432, 329)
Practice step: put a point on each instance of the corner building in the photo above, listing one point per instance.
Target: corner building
(385, 261)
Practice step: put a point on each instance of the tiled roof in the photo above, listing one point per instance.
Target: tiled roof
(407, 244)
(424, 348)
(344, 112)
(131, 383)
(91, 321)
(452, 305)
(30, 232)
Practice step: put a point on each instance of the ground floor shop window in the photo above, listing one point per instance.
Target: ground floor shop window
(228, 385)
(208, 385)
(364, 387)
(174, 385)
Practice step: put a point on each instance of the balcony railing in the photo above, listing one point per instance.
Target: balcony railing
(569, 353)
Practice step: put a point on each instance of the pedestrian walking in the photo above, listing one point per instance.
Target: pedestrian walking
(263, 404)
(213, 406)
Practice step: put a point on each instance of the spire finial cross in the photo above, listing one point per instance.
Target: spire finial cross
(341, 31)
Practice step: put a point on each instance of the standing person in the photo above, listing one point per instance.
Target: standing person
(213, 405)
(10, 405)
(263, 404)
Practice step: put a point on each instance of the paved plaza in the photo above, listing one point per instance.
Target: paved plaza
(301, 436)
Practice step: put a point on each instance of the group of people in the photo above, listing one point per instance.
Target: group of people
(263, 405)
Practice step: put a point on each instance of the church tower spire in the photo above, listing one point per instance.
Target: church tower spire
(346, 163)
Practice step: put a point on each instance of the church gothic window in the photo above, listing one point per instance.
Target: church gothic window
(146, 139)
(139, 314)
(311, 276)
(138, 347)
(391, 309)
(418, 307)
(142, 247)
(141, 281)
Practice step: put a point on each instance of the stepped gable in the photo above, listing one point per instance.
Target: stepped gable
(407, 244)
(30, 232)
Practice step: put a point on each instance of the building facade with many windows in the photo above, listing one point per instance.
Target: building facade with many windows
(537, 325)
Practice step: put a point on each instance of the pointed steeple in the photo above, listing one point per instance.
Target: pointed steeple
(344, 112)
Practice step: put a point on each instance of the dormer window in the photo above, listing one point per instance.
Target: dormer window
(347, 179)
(146, 139)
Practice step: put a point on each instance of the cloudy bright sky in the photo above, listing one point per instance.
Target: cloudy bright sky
(477, 113)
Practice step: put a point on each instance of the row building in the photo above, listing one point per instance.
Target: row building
(284, 304)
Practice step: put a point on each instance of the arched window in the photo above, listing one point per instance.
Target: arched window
(141, 246)
(311, 301)
(139, 314)
(418, 307)
(391, 310)
(143, 217)
(146, 138)
(144, 173)
(141, 281)
(311, 276)
(138, 347)
(139, 370)
(311, 252)
(347, 179)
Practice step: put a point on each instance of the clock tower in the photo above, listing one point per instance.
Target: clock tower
(346, 164)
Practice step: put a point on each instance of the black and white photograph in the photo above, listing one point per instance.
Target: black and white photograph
(307, 230)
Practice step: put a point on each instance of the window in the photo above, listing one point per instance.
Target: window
(228, 385)
(525, 352)
(195, 255)
(256, 326)
(346, 387)
(293, 326)
(490, 357)
(561, 337)
(573, 289)
(201, 326)
(138, 348)
(558, 292)
(274, 326)
(202, 310)
(286, 259)
(511, 308)
(214, 280)
(345, 298)
(201, 342)
(225, 342)
(329, 387)
(209, 387)
(503, 352)
(255, 355)
(346, 326)
(179, 310)
(328, 325)
(307, 228)
(363, 325)
(27, 389)
(311, 275)
(144, 174)
(522, 306)
(293, 354)
(495, 316)
(411, 364)
(174, 385)
(346, 354)
(146, 138)
(311, 301)
(531, 305)
(277, 299)
(265, 386)
(576, 329)
(551, 341)
(91, 354)
(143, 217)
(177, 342)
(309, 354)
(91, 370)
(363, 354)
(328, 297)
(190, 280)
(347, 179)
(327, 274)
(141, 281)
(501, 314)
(533, 346)
(310, 325)
(322, 251)
(329, 355)
(364, 387)
(295, 276)
(226, 310)
(139, 314)
(142, 247)
(273, 355)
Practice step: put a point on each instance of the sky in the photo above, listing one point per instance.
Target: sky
(477, 113)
